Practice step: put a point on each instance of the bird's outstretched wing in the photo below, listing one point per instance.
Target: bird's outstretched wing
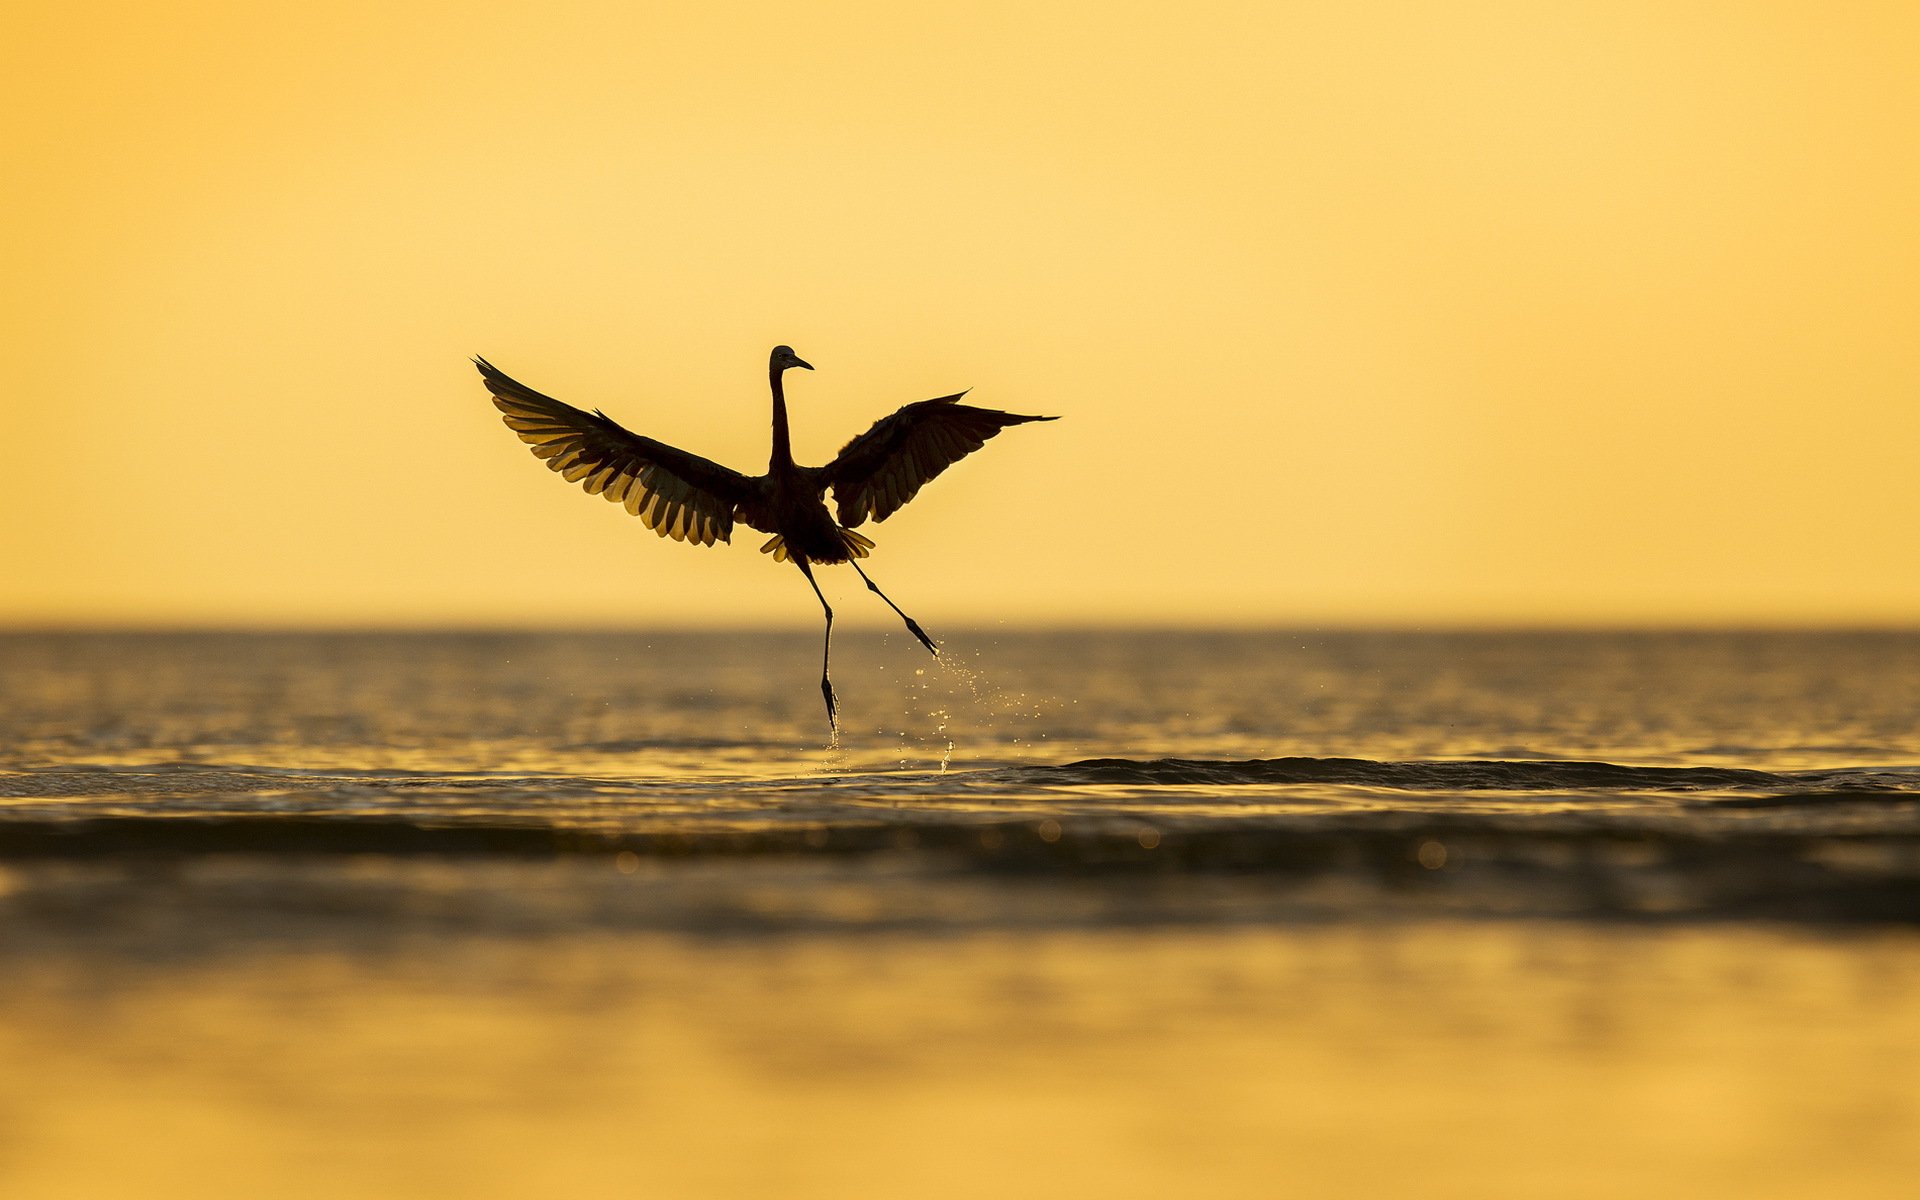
(882, 469)
(678, 495)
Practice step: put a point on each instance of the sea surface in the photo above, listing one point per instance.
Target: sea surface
(1115, 913)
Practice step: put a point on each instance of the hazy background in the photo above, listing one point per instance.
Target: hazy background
(1380, 312)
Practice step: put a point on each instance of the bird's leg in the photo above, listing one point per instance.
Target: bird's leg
(913, 626)
(826, 648)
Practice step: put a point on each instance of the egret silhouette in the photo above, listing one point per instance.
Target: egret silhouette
(692, 499)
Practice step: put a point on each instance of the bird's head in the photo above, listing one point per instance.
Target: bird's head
(784, 357)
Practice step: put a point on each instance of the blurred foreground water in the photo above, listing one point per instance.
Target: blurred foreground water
(1117, 914)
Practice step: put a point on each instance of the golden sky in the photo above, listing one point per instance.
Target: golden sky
(1417, 312)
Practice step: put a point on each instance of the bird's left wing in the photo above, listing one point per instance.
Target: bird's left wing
(678, 495)
(883, 468)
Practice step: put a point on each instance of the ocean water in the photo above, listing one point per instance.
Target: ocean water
(1732, 774)
(1062, 913)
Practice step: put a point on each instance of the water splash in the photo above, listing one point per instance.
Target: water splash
(924, 700)
(952, 705)
(833, 756)
(940, 731)
(1001, 709)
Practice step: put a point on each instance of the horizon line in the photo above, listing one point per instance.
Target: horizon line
(1744, 625)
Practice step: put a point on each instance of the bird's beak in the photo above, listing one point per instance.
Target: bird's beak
(801, 362)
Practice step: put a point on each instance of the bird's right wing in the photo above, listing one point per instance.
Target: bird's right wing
(678, 495)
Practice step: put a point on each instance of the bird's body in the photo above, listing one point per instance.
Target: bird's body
(806, 529)
(689, 498)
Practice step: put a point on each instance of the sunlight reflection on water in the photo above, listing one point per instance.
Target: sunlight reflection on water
(590, 915)
(1485, 1060)
(685, 705)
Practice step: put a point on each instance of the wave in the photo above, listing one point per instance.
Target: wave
(1476, 776)
(1509, 836)
(227, 784)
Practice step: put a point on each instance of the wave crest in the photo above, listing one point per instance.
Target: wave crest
(1472, 775)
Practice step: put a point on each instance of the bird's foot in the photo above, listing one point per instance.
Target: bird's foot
(833, 705)
(913, 627)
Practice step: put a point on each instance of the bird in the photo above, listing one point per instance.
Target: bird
(693, 499)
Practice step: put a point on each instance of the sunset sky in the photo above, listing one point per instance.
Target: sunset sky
(1408, 313)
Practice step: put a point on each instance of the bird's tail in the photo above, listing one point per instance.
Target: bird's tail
(857, 546)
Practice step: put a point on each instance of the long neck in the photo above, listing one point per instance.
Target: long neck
(782, 449)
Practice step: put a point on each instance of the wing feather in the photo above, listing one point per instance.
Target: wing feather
(879, 471)
(676, 494)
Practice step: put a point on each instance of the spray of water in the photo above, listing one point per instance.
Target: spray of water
(956, 697)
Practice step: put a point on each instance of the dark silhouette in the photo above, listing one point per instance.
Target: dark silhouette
(689, 498)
